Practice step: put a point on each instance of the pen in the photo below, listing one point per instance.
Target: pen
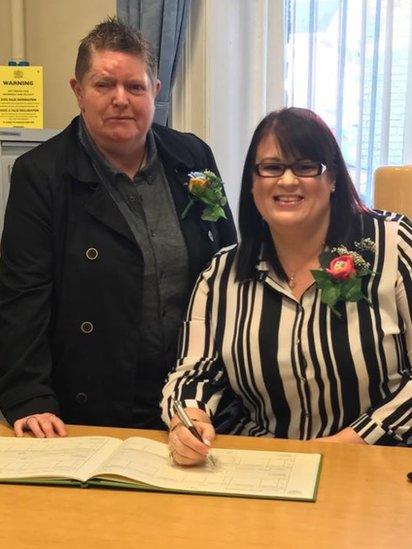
(187, 422)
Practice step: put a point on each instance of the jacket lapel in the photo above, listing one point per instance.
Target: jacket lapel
(103, 208)
(177, 166)
(198, 234)
(100, 204)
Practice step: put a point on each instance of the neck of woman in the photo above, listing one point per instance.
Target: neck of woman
(128, 160)
(298, 250)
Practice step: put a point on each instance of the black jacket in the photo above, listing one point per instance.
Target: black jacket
(49, 287)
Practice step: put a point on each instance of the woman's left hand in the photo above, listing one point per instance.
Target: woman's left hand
(44, 425)
(347, 435)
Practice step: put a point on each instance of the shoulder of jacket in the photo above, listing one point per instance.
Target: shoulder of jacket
(224, 258)
(394, 228)
(222, 261)
(45, 153)
(230, 251)
(166, 134)
(389, 217)
(392, 222)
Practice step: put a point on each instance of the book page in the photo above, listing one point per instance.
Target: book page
(75, 458)
(237, 472)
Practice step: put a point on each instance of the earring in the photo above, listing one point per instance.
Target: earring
(333, 187)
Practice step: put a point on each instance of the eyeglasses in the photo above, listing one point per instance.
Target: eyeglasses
(303, 168)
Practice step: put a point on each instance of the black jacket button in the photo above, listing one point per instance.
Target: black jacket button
(86, 327)
(92, 254)
(81, 398)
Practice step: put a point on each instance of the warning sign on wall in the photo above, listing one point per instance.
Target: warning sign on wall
(21, 97)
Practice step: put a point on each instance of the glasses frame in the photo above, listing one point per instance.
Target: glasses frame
(321, 169)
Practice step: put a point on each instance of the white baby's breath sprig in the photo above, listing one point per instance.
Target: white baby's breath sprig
(366, 244)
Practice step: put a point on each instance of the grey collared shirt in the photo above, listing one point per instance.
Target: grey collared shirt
(147, 205)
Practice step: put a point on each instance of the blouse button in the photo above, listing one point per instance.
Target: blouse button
(92, 254)
(86, 327)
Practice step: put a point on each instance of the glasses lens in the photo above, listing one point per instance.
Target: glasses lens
(307, 169)
(270, 169)
(303, 168)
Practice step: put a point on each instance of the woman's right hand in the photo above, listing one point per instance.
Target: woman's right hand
(45, 425)
(184, 447)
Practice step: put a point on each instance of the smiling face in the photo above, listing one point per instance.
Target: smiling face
(289, 202)
(116, 98)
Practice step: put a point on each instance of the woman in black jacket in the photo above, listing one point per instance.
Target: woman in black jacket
(96, 259)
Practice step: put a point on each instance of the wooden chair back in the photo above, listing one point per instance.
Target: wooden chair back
(393, 189)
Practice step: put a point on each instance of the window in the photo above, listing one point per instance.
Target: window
(350, 61)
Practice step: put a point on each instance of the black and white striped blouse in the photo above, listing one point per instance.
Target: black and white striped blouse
(300, 370)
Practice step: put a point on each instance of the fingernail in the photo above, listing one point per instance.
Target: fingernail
(207, 442)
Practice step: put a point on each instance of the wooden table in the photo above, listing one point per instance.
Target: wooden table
(364, 501)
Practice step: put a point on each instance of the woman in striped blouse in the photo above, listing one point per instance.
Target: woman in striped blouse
(328, 359)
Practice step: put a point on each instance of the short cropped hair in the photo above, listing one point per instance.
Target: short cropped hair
(113, 35)
(299, 133)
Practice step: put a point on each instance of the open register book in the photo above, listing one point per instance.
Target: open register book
(143, 464)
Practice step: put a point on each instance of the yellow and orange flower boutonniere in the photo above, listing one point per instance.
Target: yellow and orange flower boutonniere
(206, 187)
(341, 273)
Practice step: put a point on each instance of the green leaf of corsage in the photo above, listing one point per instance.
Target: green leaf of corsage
(341, 273)
(206, 187)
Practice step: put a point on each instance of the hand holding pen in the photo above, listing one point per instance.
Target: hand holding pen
(190, 436)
